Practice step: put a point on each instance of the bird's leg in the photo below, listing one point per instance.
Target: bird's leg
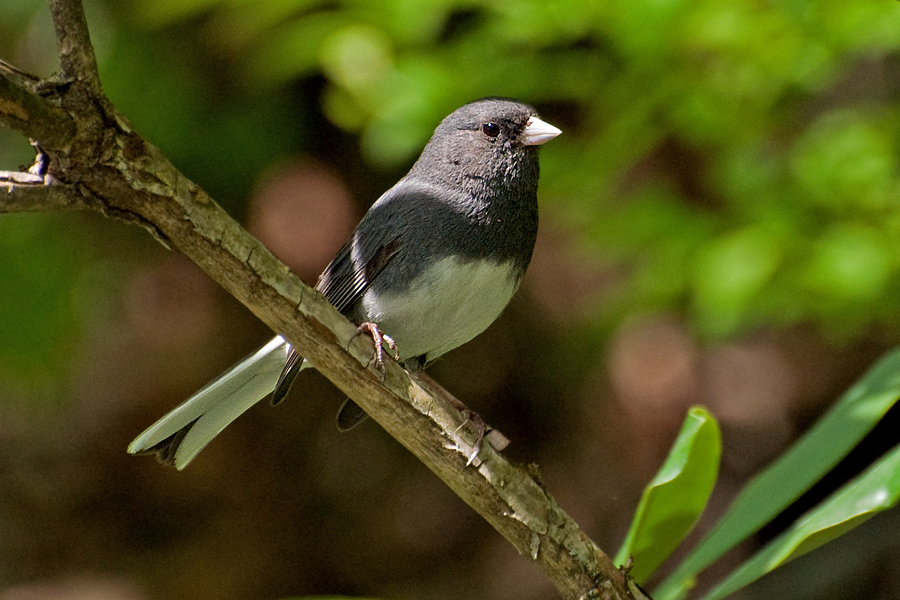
(380, 340)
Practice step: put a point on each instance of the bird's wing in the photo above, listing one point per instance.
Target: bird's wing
(343, 282)
(346, 279)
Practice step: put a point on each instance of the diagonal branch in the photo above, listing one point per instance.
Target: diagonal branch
(112, 169)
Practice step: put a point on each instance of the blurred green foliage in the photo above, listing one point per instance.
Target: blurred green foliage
(732, 162)
(737, 160)
(37, 294)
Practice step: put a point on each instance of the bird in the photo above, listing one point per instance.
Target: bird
(431, 265)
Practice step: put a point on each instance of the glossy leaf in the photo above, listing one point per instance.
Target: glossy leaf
(795, 472)
(874, 491)
(674, 500)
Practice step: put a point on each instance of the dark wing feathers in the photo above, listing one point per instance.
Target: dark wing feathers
(288, 373)
(342, 283)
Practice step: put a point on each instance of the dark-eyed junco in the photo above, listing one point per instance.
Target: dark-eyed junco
(431, 265)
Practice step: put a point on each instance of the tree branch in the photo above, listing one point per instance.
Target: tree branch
(108, 167)
(76, 53)
(21, 194)
(23, 110)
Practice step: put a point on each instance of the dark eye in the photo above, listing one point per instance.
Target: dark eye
(490, 129)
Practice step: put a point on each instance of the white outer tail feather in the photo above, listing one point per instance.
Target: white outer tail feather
(219, 403)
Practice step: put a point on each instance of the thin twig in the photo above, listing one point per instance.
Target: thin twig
(32, 115)
(24, 192)
(18, 75)
(76, 54)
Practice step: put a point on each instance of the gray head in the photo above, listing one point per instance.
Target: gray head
(488, 144)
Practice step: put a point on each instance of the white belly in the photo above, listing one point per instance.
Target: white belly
(453, 302)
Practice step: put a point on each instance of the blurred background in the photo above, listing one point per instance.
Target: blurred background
(719, 226)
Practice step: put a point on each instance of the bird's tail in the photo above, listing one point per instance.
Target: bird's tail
(182, 433)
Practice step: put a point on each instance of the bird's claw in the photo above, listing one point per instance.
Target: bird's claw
(481, 428)
(380, 340)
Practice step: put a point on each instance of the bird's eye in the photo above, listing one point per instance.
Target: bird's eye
(490, 129)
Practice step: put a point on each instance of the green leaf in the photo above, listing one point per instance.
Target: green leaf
(874, 491)
(673, 501)
(795, 472)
